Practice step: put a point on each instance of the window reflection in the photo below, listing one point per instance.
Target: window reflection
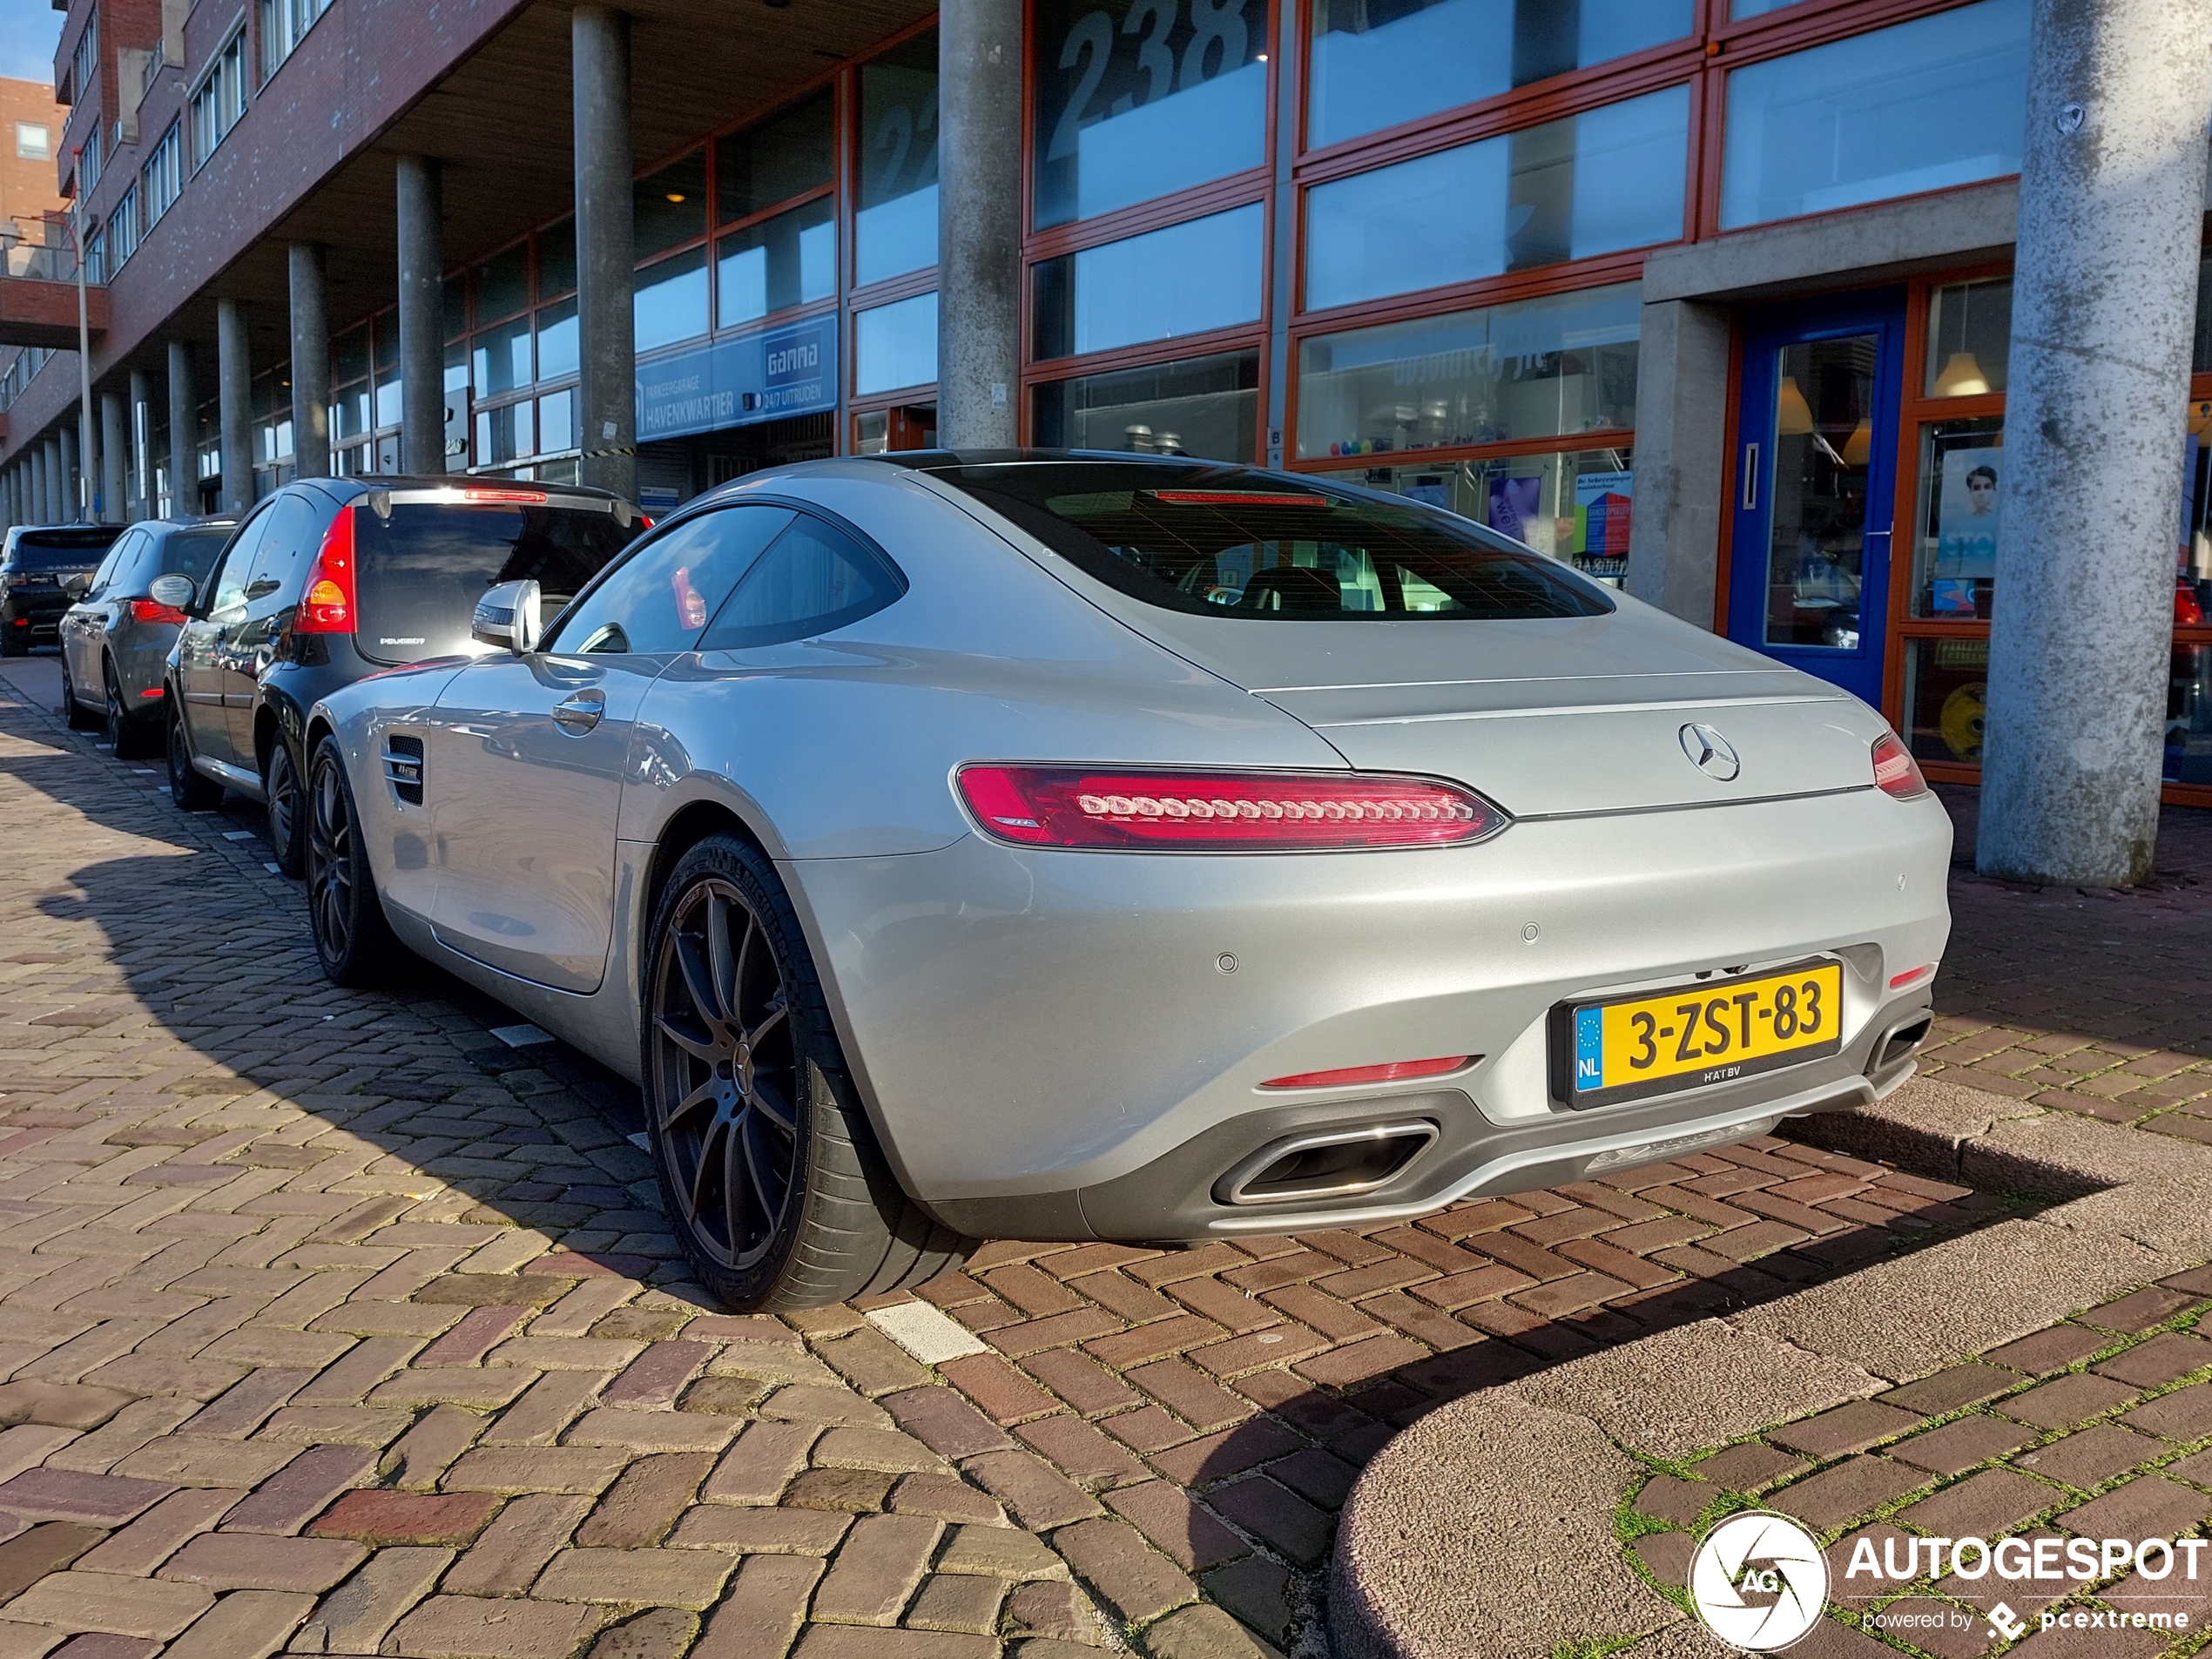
(556, 260)
(671, 206)
(1574, 506)
(504, 283)
(557, 347)
(895, 226)
(895, 345)
(790, 260)
(500, 361)
(1920, 105)
(670, 302)
(1608, 178)
(1201, 406)
(1541, 367)
(1378, 63)
(787, 155)
(2188, 715)
(1184, 280)
(1139, 103)
(1946, 684)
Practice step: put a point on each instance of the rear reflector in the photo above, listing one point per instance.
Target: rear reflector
(326, 603)
(1396, 1071)
(149, 610)
(1224, 811)
(1896, 773)
(1898, 982)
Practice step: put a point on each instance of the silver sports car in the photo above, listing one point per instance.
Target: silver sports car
(1081, 847)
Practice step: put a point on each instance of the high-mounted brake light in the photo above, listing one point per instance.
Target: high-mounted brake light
(1224, 812)
(326, 603)
(154, 610)
(1896, 773)
(504, 495)
(1394, 1072)
(1234, 498)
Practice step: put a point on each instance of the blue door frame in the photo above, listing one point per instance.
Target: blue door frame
(1807, 607)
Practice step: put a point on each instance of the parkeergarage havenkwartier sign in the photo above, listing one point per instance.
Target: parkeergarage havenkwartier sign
(1761, 1584)
(740, 381)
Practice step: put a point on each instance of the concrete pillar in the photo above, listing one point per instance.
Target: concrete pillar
(141, 412)
(310, 363)
(422, 332)
(42, 466)
(605, 250)
(234, 387)
(115, 457)
(2102, 326)
(979, 223)
(184, 431)
(68, 468)
(1681, 457)
(59, 495)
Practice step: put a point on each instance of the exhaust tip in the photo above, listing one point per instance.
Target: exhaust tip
(1325, 1164)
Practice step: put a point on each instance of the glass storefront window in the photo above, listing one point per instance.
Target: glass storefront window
(349, 356)
(2188, 715)
(1378, 63)
(1200, 406)
(1920, 105)
(787, 155)
(670, 206)
(452, 302)
(556, 260)
(349, 411)
(556, 422)
(1574, 506)
(504, 283)
(457, 389)
(501, 358)
(385, 331)
(1970, 334)
(895, 345)
(1739, 10)
(1159, 98)
(670, 302)
(1188, 279)
(558, 341)
(1823, 461)
(894, 227)
(504, 432)
(1546, 368)
(1962, 463)
(1946, 682)
(1595, 183)
(775, 264)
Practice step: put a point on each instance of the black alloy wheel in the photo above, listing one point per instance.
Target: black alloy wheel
(353, 940)
(190, 792)
(287, 814)
(72, 710)
(767, 1162)
(123, 732)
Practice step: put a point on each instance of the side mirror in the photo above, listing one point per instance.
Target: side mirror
(507, 616)
(173, 590)
(79, 585)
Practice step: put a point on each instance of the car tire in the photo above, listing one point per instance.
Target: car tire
(743, 1067)
(353, 941)
(125, 735)
(72, 710)
(192, 792)
(287, 815)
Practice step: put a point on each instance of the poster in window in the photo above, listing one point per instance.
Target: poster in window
(1513, 506)
(1967, 524)
(1603, 504)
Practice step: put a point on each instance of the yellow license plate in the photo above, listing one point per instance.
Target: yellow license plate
(1708, 1031)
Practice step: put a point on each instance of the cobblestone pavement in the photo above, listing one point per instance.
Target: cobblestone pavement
(2098, 1427)
(2089, 1002)
(345, 1273)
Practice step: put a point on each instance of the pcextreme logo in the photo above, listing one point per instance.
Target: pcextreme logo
(1759, 1581)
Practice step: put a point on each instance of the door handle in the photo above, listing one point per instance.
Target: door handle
(578, 715)
(1750, 477)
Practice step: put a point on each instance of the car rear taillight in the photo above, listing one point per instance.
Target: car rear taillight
(326, 603)
(152, 611)
(1223, 812)
(1896, 773)
(1391, 1073)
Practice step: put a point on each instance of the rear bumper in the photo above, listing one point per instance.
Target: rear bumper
(1050, 1045)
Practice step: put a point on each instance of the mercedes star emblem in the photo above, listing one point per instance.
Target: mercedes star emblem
(1710, 753)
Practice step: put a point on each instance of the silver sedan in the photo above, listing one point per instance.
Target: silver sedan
(1079, 846)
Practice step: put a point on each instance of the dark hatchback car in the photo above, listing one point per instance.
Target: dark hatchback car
(332, 579)
(38, 563)
(115, 639)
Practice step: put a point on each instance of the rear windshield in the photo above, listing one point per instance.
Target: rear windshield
(1226, 542)
(420, 572)
(63, 550)
(192, 552)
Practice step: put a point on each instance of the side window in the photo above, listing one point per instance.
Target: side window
(285, 548)
(227, 596)
(815, 579)
(117, 555)
(660, 597)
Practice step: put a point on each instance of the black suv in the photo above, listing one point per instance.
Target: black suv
(43, 569)
(331, 579)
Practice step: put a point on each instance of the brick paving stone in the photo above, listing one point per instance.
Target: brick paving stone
(2140, 1311)
(381, 1517)
(761, 1463)
(1079, 1451)
(852, 1642)
(874, 1448)
(1186, 1530)
(2089, 1456)
(657, 1632)
(645, 1501)
(2165, 1357)
(882, 1561)
(465, 1627)
(302, 1489)
(956, 1601)
(2185, 1414)
(2148, 1507)
(355, 1617)
(150, 1540)
(29, 1556)
(1951, 1389)
(856, 1491)
(125, 1607)
(1035, 1494)
(1981, 1506)
(1749, 1466)
(92, 1500)
(1216, 1457)
(1962, 1445)
(246, 1624)
(1848, 1428)
(551, 1468)
(2067, 1401)
(1271, 1512)
(689, 1578)
(946, 1498)
(1851, 1487)
(243, 1561)
(762, 1611)
(1136, 1581)
(2049, 1351)
(1201, 1633)
(509, 1554)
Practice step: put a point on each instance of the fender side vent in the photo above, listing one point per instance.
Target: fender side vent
(403, 767)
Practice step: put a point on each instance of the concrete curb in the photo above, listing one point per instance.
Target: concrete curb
(1485, 1530)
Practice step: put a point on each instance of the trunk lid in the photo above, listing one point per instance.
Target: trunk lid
(1545, 718)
